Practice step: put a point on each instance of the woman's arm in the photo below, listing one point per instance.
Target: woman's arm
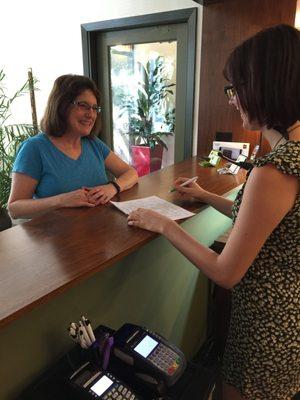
(22, 205)
(125, 174)
(126, 178)
(268, 197)
(220, 203)
(194, 190)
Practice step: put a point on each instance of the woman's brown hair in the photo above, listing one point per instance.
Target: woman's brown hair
(65, 89)
(265, 72)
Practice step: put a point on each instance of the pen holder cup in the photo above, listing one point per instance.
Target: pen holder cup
(99, 351)
(94, 354)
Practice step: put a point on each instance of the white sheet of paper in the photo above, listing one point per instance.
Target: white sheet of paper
(155, 203)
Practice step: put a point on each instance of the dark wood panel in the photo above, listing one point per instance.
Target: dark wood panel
(51, 253)
(225, 25)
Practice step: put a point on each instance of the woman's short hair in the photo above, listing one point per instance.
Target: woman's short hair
(265, 72)
(65, 89)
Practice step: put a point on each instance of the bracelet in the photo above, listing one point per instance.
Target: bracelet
(116, 186)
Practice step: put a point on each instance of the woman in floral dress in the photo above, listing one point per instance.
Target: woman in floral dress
(260, 260)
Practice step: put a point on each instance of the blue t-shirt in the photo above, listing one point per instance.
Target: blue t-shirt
(57, 173)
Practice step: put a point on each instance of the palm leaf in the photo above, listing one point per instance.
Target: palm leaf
(11, 136)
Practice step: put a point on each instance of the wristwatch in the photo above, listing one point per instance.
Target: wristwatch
(114, 183)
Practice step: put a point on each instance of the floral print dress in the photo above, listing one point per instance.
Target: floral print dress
(262, 356)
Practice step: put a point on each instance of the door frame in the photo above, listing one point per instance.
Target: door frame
(89, 32)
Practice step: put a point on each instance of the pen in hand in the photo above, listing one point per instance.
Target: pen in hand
(194, 179)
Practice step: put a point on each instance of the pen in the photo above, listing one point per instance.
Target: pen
(74, 326)
(73, 329)
(81, 340)
(88, 328)
(85, 335)
(185, 183)
(72, 334)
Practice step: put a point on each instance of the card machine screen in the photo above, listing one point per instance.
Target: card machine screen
(145, 347)
(102, 385)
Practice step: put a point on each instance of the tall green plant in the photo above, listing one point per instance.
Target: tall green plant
(151, 100)
(11, 136)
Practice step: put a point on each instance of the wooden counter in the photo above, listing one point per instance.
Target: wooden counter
(51, 253)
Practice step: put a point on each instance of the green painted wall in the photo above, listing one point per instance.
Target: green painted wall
(154, 286)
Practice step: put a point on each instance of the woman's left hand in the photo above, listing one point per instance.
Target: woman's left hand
(101, 194)
(149, 219)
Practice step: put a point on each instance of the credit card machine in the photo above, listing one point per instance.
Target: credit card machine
(89, 382)
(153, 358)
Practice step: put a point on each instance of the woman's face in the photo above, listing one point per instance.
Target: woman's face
(82, 114)
(250, 126)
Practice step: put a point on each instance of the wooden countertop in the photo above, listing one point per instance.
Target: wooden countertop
(49, 254)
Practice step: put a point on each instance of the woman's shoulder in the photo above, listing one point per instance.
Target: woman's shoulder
(39, 139)
(97, 144)
(33, 144)
(93, 140)
(286, 158)
(29, 156)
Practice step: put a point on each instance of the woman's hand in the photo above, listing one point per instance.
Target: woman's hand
(192, 190)
(76, 198)
(101, 194)
(150, 220)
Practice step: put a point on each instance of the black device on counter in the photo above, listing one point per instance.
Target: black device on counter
(152, 358)
(90, 382)
(240, 161)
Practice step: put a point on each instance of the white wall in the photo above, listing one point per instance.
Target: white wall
(297, 16)
(46, 36)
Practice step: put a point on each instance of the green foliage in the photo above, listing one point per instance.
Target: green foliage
(152, 100)
(11, 136)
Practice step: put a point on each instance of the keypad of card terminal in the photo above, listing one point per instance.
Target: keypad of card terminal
(117, 392)
(165, 359)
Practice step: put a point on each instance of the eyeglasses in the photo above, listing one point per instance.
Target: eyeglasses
(86, 107)
(229, 91)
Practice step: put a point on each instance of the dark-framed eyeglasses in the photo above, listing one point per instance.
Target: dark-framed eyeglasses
(87, 107)
(229, 91)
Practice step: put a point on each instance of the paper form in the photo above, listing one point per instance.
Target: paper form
(154, 203)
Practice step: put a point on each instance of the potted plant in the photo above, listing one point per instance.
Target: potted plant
(11, 136)
(151, 116)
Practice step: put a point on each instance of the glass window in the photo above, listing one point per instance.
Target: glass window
(143, 96)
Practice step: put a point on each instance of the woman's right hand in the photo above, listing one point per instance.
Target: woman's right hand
(191, 190)
(76, 198)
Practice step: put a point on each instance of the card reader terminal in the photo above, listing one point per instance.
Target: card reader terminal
(91, 383)
(152, 356)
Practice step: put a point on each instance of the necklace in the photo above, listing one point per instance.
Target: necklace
(278, 141)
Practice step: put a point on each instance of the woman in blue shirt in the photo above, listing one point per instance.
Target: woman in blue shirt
(65, 165)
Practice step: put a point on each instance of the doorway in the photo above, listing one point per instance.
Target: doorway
(144, 67)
